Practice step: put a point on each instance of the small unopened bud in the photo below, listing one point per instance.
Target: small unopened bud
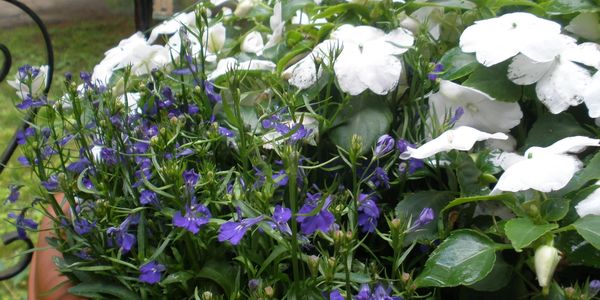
(338, 236)
(174, 120)
(546, 259)
(243, 8)
(396, 224)
(569, 292)
(349, 235)
(331, 262)
(269, 292)
(207, 295)
(385, 144)
(162, 130)
(405, 277)
(154, 140)
(313, 264)
(356, 144)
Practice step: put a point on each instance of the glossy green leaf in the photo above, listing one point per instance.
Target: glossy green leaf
(493, 81)
(461, 4)
(463, 200)
(589, 228)
(457, 64)
(580, 253)
(289, 8)
(467, 174)
(464, 258)
(367, 116)
(178, 277)
(522, 232)
(550, 128)
(555, 209)
(498, 278)
(220, 273)
(562, 7)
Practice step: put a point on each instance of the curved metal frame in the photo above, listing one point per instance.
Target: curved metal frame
(29, 118)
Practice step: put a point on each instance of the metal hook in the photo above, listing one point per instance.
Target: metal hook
(9, 238)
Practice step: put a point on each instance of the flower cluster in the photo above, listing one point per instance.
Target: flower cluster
(328, 150)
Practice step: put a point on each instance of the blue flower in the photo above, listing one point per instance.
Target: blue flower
(425, 217)
(83, 226)
(185, 152)
(594, 288)
(29, 102)
(23, 161)
(196, 215)
(109, 156)
(87, 183)
(150, 272)
(209, 89)
(437, 69)
(124, 239)
(22, 135)
(22, 224)
(368, 213)
(335, 295)
(148, 197)
(190, 177)
(14, 194)
(280, 178)
(225, 132)
(384, 145)
(380, 293)
(234, 231)
(457, 114)
(380, 178)
(51, 184)
(322, 220)
(78, 166)
(281, 216)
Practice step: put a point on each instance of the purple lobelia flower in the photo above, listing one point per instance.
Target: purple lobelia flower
(51, 184)
(300, 133)
(457, 114)
(380, 178)
(109, 156)
(87, 183)
(190, 177)
(29, 102)
(594, 288)
(124, 239)
(185, 152)
(62, 142)
(281, 216)
(381, 293)
(425, 217)
(148, 197)
(311, 222)
(151, 272)
(23, 161)
(22, 135)
(384, 145)
(225, 132)
(335, 295)
(437, 69)
(234, 231)
(168, 96)
(78, 166)
(280, 178)
(22, 224)
(14, 194)
(209, 89)
(364, 293)
(83, 226)
(196, 215)
(368, 213)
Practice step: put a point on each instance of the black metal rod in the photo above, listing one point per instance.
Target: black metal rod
(9, 238)
(12, 145)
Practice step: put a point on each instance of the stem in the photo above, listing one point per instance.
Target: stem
(292, 170)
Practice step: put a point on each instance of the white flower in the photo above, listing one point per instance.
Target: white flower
(461, 138)
(38, 83)
(244, 7)
(585, 25)
(304, 73)
(480, 110)
(253, 43)
(211, 40)
(172, 25)
(368, 59)
(428, 16)
(113, 57)
(215, 37)
(562, 82)
(229, 64)
(546, 259)
(498, 39)
(544, 169)
(132, 101)
(590, 205)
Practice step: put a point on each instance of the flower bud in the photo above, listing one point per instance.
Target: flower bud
(385, 144)
(313, 265)
(207, 295)
(546, 259)
(269, 292)
(243, 8)
(405, 277)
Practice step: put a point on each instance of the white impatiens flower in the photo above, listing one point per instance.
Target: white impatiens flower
(429, 16)
(172, 25)
(590, 205)
(39, 81)
(498, 39)
(115, 56)
(462, 138)
(544, 169)
(228, 64)
(211, 41)
(562, 82)
(585, 25)
(480, 110)
(368, 59)
(253, 43)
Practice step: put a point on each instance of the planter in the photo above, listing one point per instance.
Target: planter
(44, 277)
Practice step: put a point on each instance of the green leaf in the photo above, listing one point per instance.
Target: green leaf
(563, 7)
(463, 200)
(498, 278)
(367, 116)
(555, 209)
(522, 232)
(493, 81)
(178, 277)
(467, 174)
(289, 8)
(457, 64)
(461, 4)
(577, 250)
(110, 288)
(412, 205)
(589, 228)
(220, 273)
(464, 258)
(550, 128)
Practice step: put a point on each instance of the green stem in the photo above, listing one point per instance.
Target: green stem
(292, 169)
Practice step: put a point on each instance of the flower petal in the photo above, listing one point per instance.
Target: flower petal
(525, 71)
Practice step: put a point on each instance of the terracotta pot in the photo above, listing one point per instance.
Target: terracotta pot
(43, 274)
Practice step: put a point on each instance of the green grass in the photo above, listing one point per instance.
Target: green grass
(78, 46)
